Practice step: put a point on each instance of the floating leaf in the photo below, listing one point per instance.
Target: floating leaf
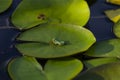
(117, 2)
(116, 29)
(63, 69)
(4, 4)
(55, 40)
(113, 15)
(107, 48)
(99, 61)
(30, 13)
(25, 68)
(109, 71)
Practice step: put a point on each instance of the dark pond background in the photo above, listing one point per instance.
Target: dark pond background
(99, 24)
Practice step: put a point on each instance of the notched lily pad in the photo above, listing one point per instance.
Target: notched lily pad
(55, 40)
(30, 13)
(109, 71)
(99, 61)
(107, 48)
(116, 29)
(113, 15)
(27, 68)
(63, 69)
(4, 4)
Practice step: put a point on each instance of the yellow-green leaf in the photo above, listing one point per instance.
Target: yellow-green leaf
(113, 15)
(30, 13)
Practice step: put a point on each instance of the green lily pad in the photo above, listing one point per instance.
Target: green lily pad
(63, 69)
(4, 4)
(109, 71)
(113, 15)
(30, 13)
(107, 48)
(55, 40)
(99, 61)
(27, 68)
(117, 2)
(116, 29)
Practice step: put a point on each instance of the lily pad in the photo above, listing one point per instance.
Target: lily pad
(30, 13)
(107, 48)
(27, 68)
(117, 2)
(4, 4)
(109, 71)
(63, 69)
(55, 40)
(113, 15)
(116, 29)
(99, 61)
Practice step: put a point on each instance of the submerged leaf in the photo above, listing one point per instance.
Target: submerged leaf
(109, 71)
(113, 15)
(30, 13)
(4, 4)
(99, 61)
(63, 69)
(107, 48)
(55, 40)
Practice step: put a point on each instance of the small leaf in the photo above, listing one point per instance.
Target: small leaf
(63, 69)
(107, 48)
(109, 71)
(55, 40)
(4, 4)
(117, 2)
(30, 13)
(116, 29)
(113, 15)
(99, 61)
(25, 68)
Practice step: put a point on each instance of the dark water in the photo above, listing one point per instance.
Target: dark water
(99, 24)
(7, 36)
